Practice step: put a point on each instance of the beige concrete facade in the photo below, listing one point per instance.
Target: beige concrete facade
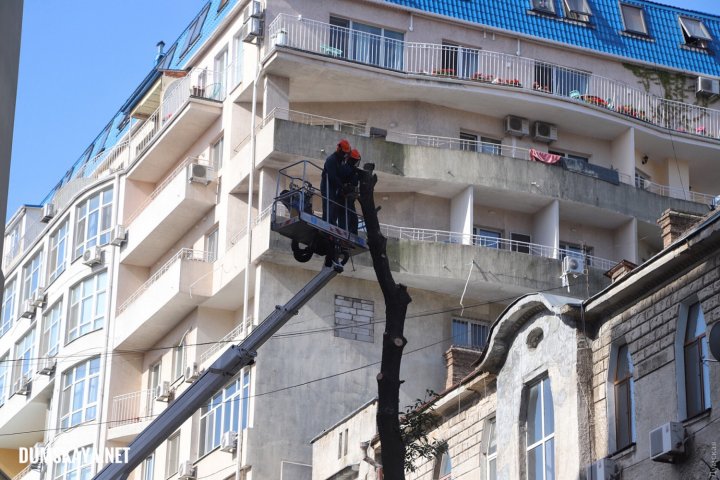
(196, 265)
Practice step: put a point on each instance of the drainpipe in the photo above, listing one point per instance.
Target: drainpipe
(246, 287)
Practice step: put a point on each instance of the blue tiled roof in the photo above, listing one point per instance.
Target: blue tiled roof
(604, 33)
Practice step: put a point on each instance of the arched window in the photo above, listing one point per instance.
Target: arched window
(694, 358)
(540, 431)
(624, 393)
(443, 467)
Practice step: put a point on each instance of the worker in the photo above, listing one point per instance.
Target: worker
(351, 181)
(331, 183)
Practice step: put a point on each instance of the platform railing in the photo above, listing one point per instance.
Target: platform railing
(492, 68)
(131, 407)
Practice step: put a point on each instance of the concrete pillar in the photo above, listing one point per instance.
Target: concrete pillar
(461, 215)
(622, 151)
(678, 175)
(267, 184)
(276, 96)
(546, 227)
(625, 239)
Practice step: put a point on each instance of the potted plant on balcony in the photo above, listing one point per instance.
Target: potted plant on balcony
(540, 87)
(513, 82)
(444, 72)
(482, 77)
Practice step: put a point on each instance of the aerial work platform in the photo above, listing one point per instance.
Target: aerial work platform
(299, 212)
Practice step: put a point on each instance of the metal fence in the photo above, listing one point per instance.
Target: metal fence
(131, 408)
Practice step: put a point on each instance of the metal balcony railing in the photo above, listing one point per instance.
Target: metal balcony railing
(131, 408)
(236, 333)
(182, 254)
(491, 68)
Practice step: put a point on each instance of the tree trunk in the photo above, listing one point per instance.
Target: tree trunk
(396, 302)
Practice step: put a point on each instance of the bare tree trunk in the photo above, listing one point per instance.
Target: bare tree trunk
(396, 302)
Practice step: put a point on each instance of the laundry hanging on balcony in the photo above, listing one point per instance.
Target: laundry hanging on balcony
(549, 158)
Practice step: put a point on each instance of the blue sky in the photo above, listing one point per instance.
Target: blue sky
(79, 61)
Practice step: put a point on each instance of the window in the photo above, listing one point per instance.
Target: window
(221, 74)
(449, 58)
(223, 414)
(577, 10)
(443, 467)
(167, 58)
(365, 43)
(544, 6)
(216, 153)
(148, 467)
(93, 221)
(238, 48)
(634, 19)
(694, 32)
(491, 451)
(24, 358)
(576, 251)
(87, 306)
(578, 158)
(31, 276)
(172, 457)
(194, 29)
(79, 397)
(520, 242)
(58, 250)
(624, 387)
(469, 333)
(4, 377)
(343, 443)
(468, 142)
(179, 354)
(211, 244)
(78, 466)
(50, 341)
(154, 378)
(486, 238)
(8, 307)
(490, 146)
(641, 180)
(695, 360)
(559, 80)
(540, 432)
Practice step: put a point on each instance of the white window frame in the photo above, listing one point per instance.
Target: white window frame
(80, 467)
(468, 141)
(221, 64)
(544, 6)
(211, 243)
(148, 470)
(8, 306)
(216, 153)
(491, 449)
(90, 291)
(24, 357)
(581, 14)
(443, 468)
(32, 272)
(481, 239)
(484, 326)
(172, 454)
(79, 384)
(690, 33)
(51, 323)
(545, 437)
(101, 212)
(638, 9)
(222, 414)
(239, 56)
(355, 36)
(4, 377)
(682, 369)
(57, 257)
(179, 359)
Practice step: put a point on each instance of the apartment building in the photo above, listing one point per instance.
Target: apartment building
(516, 153)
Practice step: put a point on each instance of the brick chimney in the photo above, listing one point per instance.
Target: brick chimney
(458, 361)
(622, 268)
(674, 223)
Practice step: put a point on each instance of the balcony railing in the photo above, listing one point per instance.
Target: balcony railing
(492, 68)
(131, 408)
(441, 236)
(231, 336)
(182, 254)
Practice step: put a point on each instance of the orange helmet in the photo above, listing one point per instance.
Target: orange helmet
(355, 155)
(344, 145)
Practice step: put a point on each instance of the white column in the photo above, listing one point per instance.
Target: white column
(546, 227)
(266, 188)
(276, 95)
(625, 239)
(678, 174)
(622, 150)
(461, 215)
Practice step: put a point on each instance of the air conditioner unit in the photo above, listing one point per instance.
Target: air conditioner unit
(92, 256)
(191, 373)
(21, 386)
(251, 30)
(38, 298)
(162, 392)
(38, 457)
(119, 235)
(667, 443)
(198, 173)
(48, 212)
(603, 469)
(28, 310)
(252, 10)
(707, 86)
(228, 441)
(574, 265)
(544, 132)
(186, 470)
(47, 366)
(517, 126)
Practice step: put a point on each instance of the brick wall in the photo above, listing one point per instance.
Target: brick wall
(458, 361)
(354, 318)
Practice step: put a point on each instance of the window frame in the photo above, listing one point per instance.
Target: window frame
(346, 36)
(540, 6)
(179, 359)
(238, 59)
(615, 386)
(103, 225)
(148, 468)
(194, 30)
(8, 316)
(545, 438)
(57, 254)
(216, 152)
(76, 312)
(224, 412)
(212, 239)
(691, 39)
(468, 141)
(5, 377)
(470, 323)
(681, 346)
(172, 452)
(579, 15)
(51, 322)
(31, 275)
(490, 441)
(645, 31)
(61, 472)
(488, 241)
(443, 466)
(490, 146)
(88, 410)
(24, 356)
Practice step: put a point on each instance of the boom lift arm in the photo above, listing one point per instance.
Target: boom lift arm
(214, 378)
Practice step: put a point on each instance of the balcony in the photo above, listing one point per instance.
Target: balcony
(178, 287)
(178, 203)
(130, 413)
(25, 412)
(496, 70)
(189, 106)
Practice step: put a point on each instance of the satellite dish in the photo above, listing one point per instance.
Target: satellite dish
(715, 341)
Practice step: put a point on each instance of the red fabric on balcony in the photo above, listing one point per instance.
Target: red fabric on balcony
(544, 157)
